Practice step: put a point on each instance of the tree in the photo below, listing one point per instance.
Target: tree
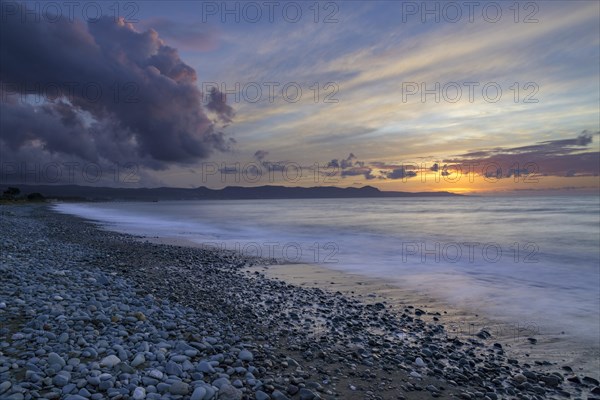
(35, 197)
(11, 192)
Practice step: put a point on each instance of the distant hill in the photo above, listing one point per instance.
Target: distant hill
(91, 193)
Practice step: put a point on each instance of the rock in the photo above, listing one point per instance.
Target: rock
(54, 358)
(419, 362)
(306, 394)
(139, 393)
(139, 359)
(172, 368)
(260, 395)
(61, 379)
(156, 374)
(245, 355)
(4, 386)
(110, 361)
(228, 392)
(198, 393)
(520, 378)
(590, 380)
(179, 388)
(220, 382)
(277, 395)
(550, 380)
(205, 367)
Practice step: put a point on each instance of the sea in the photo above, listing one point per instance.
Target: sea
(519, 259)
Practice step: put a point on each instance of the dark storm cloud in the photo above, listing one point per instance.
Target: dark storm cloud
(218, 104)
(116, 94)
(189, 36)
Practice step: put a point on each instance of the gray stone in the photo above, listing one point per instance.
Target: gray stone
(55, 359)
(61, 379)
(4, 386)
(139, 359)
(277, 395)
(228, 392)
(139, 393)
(306, 394)
(198, 393)
(179, 388)
(172, 368)
(245, 355)
(260, 395)
(205, 367)
(110, 361)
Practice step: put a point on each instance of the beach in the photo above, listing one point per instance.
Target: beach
(89, 313)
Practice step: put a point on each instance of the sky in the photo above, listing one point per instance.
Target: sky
(469, 97)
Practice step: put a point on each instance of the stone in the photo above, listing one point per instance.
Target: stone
(139, 393)
(260, 395)
(172, 368)
(277, 395)
(138, 360)
(156, 374)
(205, 367)
(61, 379)
(4, 386)
(198, 393)
(179, 388)
(55, 359)
(228, 392)
(245, 355)
(110, 361)
(306, 394)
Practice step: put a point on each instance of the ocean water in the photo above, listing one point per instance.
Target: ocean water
(519, 259)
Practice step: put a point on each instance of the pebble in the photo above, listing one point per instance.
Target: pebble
(179, 388)
(110, 361)
(139, 393)
(245, 355)
(199, 393)
(138, 360)
(228, 392)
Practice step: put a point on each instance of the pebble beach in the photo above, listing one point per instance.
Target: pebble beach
(91, 314)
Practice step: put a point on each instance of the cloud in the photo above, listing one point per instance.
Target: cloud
(563, 157)
(261, 154)
(191, 36)
(118, 94)
(400, 173)
(218, 104)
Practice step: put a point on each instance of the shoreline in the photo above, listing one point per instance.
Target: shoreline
(304, 340)
(459, 321)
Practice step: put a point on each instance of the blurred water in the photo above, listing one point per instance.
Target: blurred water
(520, 258)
